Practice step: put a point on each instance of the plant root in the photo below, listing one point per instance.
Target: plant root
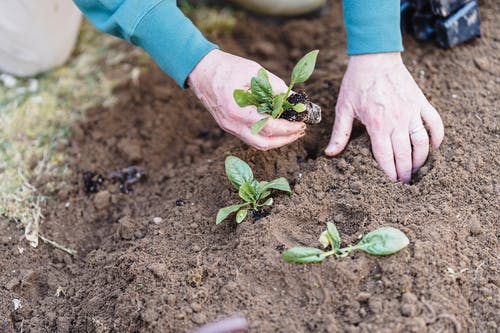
(434, 317)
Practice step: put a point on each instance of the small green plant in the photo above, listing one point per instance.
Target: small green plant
(261, 93)
(381, 242)
(250, 190)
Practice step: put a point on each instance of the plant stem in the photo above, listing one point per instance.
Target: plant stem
(348, 249)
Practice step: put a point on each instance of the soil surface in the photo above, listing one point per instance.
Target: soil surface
(153, 260)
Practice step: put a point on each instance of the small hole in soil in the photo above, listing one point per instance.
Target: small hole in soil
(259, 214)
(350, 220)
(280, 248)
(424, 170)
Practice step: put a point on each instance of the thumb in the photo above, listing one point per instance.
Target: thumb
(344, 117)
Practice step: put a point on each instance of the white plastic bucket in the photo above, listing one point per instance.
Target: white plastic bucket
(282, 7)
(36, 35)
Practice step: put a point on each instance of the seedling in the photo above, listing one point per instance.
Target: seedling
(381, 242)
(255, 194)
(261, 93)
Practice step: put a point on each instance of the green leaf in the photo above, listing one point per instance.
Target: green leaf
(264, 195)
(261, 87)
(264, 109)
(299, 107)
(277, 184)
(304, 68)
(223, 213)
(304, 255)
(258, 126)
(240, 215)
(238, 171)
(383, 241)
(247, 193)
(244, 98)
(334, 235)
(287, 105)
(277, 105)
(269, 202)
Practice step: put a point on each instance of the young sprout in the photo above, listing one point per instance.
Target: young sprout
(381, 242)
(261, 93)
(255, 194)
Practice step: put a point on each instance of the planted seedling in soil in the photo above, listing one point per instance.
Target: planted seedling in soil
(381, 242)
(294, 107)
(255, 194)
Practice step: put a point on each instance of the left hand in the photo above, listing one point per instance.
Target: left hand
(378, 90)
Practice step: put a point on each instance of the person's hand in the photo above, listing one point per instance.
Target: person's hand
(213, 81)
(378, 90)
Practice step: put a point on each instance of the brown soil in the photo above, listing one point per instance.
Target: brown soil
(135, 275)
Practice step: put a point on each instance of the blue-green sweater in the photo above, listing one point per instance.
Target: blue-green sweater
(160, 28)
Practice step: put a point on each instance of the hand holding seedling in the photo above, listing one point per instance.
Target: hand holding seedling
(273, 104)
(255, 194)
(378, 90)
(213, 81)
(381, 242)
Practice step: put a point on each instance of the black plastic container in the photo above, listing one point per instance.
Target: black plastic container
(459, 27)
(407, 12)
(444, 8)
(423, 23)
(419, 5)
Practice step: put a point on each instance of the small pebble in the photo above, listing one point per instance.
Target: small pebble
(158, 269)
(199, 318)
(157, 220)
(342, 164)
(376, 306)
(409, 298)
(408, 310)
(171, 299)
(475, 226)
(363, 296)
(356, 187)
(196, 307)
(482, 63)
(102, 200)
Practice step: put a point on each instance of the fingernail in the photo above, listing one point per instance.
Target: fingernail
(330, 149)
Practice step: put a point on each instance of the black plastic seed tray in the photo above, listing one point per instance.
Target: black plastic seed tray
(459, 27)
(445, 8)
(449, 22)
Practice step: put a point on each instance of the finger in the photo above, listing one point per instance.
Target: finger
(266, 143)
(434, 124)
(281, 127)
(401, 146)
(420, 143)
(382, 151)
(344, 117)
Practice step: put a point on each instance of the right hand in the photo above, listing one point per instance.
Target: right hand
(213, 81)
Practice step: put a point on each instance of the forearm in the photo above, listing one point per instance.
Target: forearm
(373, 26)
(158, 26)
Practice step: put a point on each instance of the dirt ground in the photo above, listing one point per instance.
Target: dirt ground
(135, 275)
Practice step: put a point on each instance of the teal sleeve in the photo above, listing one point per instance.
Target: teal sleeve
(158, 26)
(372, 26)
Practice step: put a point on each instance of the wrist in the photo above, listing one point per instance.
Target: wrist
(380, 60)
(205, 68)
